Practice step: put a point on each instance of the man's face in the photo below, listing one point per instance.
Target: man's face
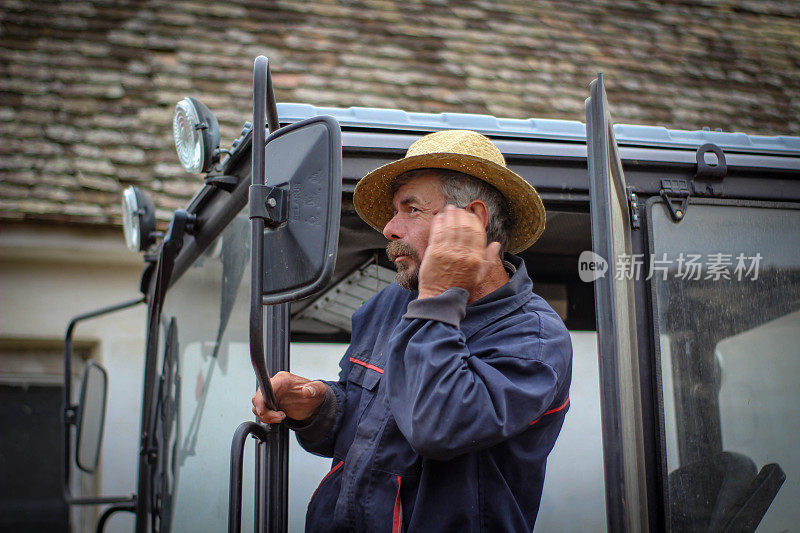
(414, 204)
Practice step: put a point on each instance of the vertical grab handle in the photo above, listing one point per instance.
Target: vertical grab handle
(237, 463)
(265, 114)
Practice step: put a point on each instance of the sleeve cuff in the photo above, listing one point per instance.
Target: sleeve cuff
(449, 307)
(318, 427)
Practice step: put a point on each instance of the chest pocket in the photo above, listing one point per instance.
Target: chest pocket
(364, 374)
(362, 383)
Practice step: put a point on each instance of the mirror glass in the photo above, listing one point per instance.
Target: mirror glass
(305, 160)
(91, 417)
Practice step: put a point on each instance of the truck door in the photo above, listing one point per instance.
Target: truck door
(700, 412)
(620, 397)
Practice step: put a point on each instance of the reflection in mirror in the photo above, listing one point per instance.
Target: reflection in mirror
(91, 417)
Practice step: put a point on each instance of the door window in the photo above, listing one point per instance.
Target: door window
(727, 297)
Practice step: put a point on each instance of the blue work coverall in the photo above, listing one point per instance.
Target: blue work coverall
(444, 414)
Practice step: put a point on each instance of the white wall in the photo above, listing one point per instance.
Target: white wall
(47, 276)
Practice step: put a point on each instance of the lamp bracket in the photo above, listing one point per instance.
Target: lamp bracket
(223, 181)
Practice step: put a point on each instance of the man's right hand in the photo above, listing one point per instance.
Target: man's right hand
(298, 398)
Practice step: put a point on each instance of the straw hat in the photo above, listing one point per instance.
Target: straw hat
(465, 151)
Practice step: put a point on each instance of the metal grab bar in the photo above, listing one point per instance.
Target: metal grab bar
(126, 507)
(237, 463)
(265, 115)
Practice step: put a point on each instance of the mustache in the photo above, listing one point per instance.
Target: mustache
(398, 248)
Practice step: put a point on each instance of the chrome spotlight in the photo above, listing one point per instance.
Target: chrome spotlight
(196, 132)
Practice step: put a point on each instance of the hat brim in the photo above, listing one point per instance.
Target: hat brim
(373, 200)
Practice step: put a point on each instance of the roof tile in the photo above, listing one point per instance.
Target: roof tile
(87, 88)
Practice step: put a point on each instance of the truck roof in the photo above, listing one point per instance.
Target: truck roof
(561, 130)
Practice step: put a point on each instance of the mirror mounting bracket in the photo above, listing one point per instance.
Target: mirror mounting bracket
(71, 415)
(271, 204)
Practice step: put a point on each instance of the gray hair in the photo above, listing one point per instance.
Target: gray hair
(460, 189)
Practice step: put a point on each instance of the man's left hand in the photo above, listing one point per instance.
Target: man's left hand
(457, 254)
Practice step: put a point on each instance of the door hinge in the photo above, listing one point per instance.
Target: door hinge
(675, 191)
(633, 204)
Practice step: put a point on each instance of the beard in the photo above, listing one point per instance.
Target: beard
(407, 276)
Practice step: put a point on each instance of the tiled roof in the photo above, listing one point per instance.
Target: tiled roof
(87, 88)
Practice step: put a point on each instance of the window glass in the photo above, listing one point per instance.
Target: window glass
(208, 307)
(727, 290)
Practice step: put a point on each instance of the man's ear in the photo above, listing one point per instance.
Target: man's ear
(477, 207)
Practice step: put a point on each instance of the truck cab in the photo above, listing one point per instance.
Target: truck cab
(673, 257)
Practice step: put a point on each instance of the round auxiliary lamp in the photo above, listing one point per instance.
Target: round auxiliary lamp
(196, 132)
(138, 219)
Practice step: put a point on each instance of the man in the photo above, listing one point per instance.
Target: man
(456, 382)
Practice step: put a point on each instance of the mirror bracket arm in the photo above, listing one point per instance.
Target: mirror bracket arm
(271, 204)
(69, 408)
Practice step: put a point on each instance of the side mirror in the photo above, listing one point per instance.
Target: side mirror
(303, 199)
(91, 417)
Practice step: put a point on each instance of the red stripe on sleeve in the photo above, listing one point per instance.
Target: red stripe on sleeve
(551, 411)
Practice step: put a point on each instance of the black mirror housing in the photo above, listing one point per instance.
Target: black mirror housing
(304, 172)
